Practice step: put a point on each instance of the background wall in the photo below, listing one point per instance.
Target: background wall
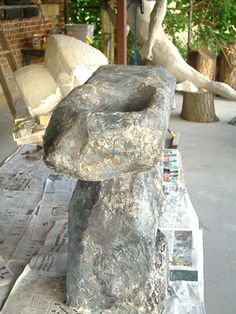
(19, 32)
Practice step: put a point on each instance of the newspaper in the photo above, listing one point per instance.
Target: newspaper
(186, 294)
(27, 247)
(183, 254)
(180, 223)
(21, 188)
(52, 256)
(20, 174)
(184, 299)
(16, 247)
(33, 237)
(7, 279)
(4, 292)
(15, 214)
(48, 266)
(54, 205)
(173, 178)
(171, 170)
(37, 292)
(41, 287)
(186, 286)
(18, 157)
(178, 211)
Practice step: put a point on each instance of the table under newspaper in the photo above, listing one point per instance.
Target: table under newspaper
(33, 237)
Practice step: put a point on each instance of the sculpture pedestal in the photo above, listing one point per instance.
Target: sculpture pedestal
(110, 133)
(117, 256)
(199, 107)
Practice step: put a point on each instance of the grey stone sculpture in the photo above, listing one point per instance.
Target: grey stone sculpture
(110, 134)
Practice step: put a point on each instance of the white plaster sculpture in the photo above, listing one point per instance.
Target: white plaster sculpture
(38, 89)
(69, 63)
(158, 49)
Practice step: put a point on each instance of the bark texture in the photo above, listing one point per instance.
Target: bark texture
(203, 61)
(227, 65)
(199, 107)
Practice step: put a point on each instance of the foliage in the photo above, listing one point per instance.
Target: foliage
(89, 12)
(213, 22)
(86, 12)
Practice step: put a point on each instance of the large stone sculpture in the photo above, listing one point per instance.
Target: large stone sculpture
(158, 49)
(110, 134)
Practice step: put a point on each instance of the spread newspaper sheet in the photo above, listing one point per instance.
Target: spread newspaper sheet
(33, 237)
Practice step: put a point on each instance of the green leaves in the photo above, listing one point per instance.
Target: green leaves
(86, 12)
(213, 23)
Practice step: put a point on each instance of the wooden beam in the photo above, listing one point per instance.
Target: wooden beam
(6, 47)
(122, 32)
(7, 93)
(12, 7)
(108, 33)
(175, 140)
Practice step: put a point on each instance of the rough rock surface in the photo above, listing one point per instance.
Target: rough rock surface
(38, 88)
(117, 256)
(113, 124)
(71, 61)
(111, 132)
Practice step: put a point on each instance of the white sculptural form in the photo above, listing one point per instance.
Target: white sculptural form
(158, 49)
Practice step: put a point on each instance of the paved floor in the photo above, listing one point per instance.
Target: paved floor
(209, 159)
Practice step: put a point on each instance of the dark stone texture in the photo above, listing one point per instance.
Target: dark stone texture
(111, 133)
(117, 256)
(112, 125)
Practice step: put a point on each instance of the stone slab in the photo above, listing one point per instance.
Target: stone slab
(114, 124)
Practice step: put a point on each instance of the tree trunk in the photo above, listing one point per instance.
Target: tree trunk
(199, 107)
(227, 65)
(204, 61)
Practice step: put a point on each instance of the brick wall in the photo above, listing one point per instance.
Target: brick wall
(19, 32)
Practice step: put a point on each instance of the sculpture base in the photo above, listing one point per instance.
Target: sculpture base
(199, 107)
(117, 256)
